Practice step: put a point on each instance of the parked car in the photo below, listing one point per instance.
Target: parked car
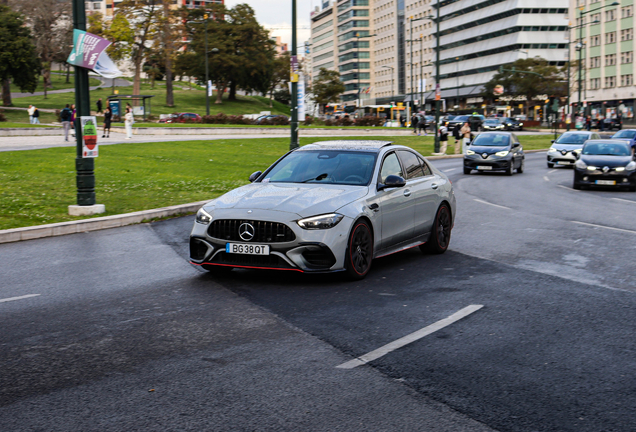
(327, 207)
(605, 162)
(564, 149)
(271, 117)
(494, 151)
(493, 124)
(612, 123)
(182, 118)
(512, 124)
(475, 122)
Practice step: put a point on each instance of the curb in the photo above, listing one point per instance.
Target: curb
(94, 224)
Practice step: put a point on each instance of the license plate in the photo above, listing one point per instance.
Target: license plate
(246, 249)
(564, 163)
(606, 182)
(484, 167)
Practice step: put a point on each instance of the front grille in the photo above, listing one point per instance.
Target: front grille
(198, 249)
(319, 258)
(262, 261)
(264, 232)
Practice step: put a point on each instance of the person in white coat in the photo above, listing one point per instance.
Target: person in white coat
(129, 119)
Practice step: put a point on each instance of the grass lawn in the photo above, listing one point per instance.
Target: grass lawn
(185, 101)
(59, 83)
(37, 186)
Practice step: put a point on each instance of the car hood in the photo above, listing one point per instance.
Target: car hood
(302, 199)
(488, 149)
(567, 147)
(609, 161)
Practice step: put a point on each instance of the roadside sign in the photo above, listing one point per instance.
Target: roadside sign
(89, 133)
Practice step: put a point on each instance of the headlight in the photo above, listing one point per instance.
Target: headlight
(631, 166)
(469, 152)
(502, 153)
(577, 150)
(592, 168)
(321, 222)
(552, 150)
(580, 164)
(619, 169)
(203, 217)
(520, 124)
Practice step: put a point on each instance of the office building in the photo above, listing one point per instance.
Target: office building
(607, 73)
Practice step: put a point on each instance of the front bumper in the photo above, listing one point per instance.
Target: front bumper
(491, 163)
(310, 250)
(561, 158)
(601, 179)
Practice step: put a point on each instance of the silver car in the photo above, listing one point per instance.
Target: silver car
(564, 149)
(326, 207)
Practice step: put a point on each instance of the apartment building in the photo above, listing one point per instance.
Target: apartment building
(607, 40)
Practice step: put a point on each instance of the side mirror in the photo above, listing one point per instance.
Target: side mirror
(553, 141)
(576, 154)
(515, 145)
(254, 176)
(391, 182)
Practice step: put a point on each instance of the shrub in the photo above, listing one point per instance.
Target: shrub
(219, 118)
(279, 120)
(369, 121)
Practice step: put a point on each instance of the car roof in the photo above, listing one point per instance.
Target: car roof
(579, 132)
(495, 133)
(363, 145)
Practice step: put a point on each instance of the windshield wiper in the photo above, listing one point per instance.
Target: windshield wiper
(320, 177)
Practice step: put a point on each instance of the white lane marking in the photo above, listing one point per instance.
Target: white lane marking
(18, 298)
(606, 227)
(546, 178)
(553, 171)
(449, 170)
(494, 205)
(387, 294)
(376, 354)
(624, 200)
(568, 188)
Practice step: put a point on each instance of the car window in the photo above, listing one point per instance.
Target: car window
(573, 138)
(411, 165)
(425, 168)
(390, 166)
(625, 134)
(492, 139)
(606, 149)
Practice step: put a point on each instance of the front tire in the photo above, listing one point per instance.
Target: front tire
(359, 254)
(521, 167)
(550, 165)
(440, 233)
(467, 170)
(576, 186)
(511, 168)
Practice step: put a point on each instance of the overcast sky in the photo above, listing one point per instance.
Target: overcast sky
(277, 14)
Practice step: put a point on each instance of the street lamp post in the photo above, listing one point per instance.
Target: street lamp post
(581, 25)
(436, 20)
(411, 43)
(294, 84)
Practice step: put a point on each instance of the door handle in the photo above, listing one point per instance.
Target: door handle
(407, 193)
(434, 185)
(375, 207)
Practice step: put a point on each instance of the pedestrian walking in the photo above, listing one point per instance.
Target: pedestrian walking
(99, 106)
(129, 119)
(422, 125)
(30, 111)
(414, 122)
(108, 115)
(36, 115)
(465, 132)
(588, 123)
(601, 124)
(65, 116)
(443, 139)
(458, 138)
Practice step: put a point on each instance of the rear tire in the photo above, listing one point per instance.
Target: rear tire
(359, 253)
(440, 233)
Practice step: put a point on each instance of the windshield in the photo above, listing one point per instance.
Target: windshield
(572, 138)
(606, 149)
(491, 139)
(461, 119)
(324, 166)
(491, 121)
(625, 134)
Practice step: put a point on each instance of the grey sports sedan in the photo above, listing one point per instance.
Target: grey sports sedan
(326, 207)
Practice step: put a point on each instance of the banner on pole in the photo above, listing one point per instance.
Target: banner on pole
(89, 52)
(210, 88)
(301, 97)
(89, 133)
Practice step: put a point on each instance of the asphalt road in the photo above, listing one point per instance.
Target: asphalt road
(124, 334)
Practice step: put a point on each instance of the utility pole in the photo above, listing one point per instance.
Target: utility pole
(294, 83)
(85, 166)
(207, 67)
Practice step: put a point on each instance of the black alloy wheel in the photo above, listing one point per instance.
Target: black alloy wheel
(440, 233)
(359, 254)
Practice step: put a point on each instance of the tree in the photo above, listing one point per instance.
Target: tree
(49, 21)
(18, 58)
(327, 87)
(143, 17)
(530, 78)
(168, 36)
